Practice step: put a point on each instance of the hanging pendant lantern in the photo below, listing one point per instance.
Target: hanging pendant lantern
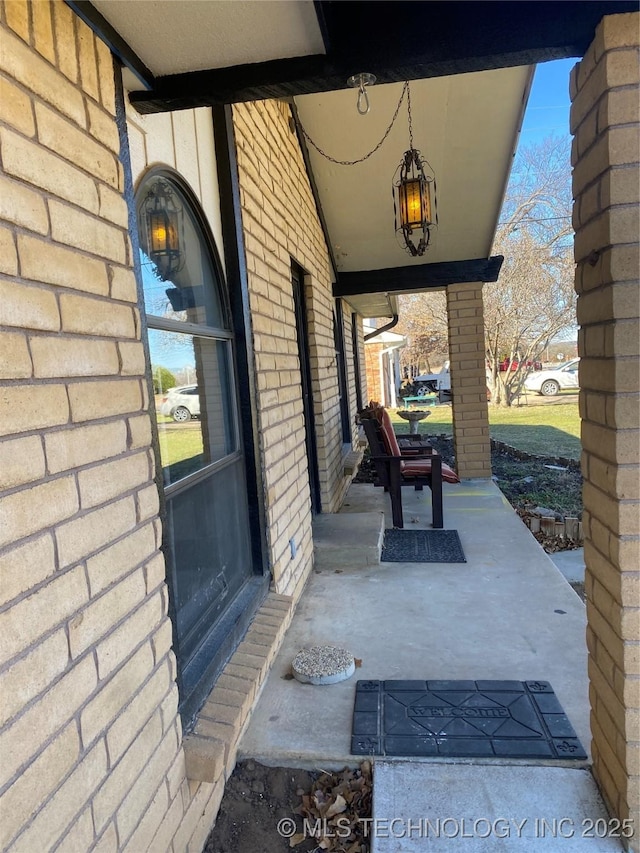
(412, 196)
(414, 217)
(164, 230)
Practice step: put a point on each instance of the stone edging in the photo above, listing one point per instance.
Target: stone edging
(573, 464)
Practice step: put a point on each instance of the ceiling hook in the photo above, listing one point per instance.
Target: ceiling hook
(361, 81)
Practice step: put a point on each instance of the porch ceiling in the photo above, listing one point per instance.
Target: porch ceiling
(471, 67)
(465, 125)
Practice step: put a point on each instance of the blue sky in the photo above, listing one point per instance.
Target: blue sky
(548, 108)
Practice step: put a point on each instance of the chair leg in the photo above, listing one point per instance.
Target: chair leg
(395, 493)
(436, 492)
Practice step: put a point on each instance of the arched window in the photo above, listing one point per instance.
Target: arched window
(206, 532)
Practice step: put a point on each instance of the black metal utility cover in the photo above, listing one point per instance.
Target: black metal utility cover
(462, 719)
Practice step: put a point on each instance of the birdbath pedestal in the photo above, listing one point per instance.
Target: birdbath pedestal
(414, 416)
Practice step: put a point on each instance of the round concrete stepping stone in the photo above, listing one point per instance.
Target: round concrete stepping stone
(323, 665)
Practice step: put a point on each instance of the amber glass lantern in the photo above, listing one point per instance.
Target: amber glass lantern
(413, 202)
(163, 226)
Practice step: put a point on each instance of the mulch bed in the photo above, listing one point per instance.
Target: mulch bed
(277, 809)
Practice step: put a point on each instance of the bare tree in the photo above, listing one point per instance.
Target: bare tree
(423, 320)
(534, 300)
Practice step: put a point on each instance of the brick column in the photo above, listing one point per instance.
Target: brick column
(606, 180)
(468, 380)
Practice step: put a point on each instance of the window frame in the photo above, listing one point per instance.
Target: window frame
(196, 675)
(166, 324)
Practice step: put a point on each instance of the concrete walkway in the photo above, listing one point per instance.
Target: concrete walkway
(507, 613)
(490, 809)
(570, 563)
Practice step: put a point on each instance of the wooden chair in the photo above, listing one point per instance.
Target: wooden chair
(395, 469)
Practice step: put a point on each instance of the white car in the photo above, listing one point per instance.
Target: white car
(551, 382)
(181, 403)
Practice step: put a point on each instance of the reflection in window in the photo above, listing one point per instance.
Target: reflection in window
(194, 408)
(180, 288)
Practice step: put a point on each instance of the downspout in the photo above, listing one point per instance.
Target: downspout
(394, 322)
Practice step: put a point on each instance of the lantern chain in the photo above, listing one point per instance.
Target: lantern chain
(405, 90)
(409, 112)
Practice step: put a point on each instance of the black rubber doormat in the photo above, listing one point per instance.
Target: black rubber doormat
(462, 719)
(422, 546)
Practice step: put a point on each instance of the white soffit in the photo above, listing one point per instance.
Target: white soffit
(465, 125)
(176, 36)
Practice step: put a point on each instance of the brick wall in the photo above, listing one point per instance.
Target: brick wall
(605, 156)
(89, 727)
(281, 224)
(90, 739)
(468, 380)
(372, 369)
(364, 376)
(349, 362)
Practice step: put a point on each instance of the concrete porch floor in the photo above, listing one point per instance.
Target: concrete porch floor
(507, 613)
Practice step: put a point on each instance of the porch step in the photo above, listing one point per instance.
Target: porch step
(350, 540)
(459, 808)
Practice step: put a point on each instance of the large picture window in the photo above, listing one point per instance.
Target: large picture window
(206, 536)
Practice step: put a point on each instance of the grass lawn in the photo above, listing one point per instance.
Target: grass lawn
(178, 445)
(544, 430)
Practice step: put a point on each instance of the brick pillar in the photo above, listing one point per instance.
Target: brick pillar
(606, 181)
(468, 380)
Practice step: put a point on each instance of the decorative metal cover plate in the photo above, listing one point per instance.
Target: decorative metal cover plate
(462, 719)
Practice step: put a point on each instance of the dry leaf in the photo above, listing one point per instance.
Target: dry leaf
(336, 798)
(337, 807)
(296, 839)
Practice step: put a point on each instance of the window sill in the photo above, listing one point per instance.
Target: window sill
(210, 749)
(351, 462)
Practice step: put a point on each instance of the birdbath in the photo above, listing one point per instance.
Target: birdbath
(414, 416)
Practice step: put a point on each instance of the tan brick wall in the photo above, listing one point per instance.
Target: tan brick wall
(281, 223)
(606, 181)
(468, 380)
(89, 729)
(92, 755)
(372, 368)
(364, 376)
(350, 367)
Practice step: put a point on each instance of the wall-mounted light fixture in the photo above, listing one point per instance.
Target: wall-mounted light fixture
(412, 196)
(163, 219)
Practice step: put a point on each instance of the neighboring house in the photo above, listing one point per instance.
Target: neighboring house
(382, 362)
(160, 207)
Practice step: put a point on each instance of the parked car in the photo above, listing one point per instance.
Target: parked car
(551, 382)
(181, 403)
(432, 383)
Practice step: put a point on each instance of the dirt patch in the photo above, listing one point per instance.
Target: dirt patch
(255, 799)
(276, 809)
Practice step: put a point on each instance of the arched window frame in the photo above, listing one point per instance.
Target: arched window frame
(156, 322)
